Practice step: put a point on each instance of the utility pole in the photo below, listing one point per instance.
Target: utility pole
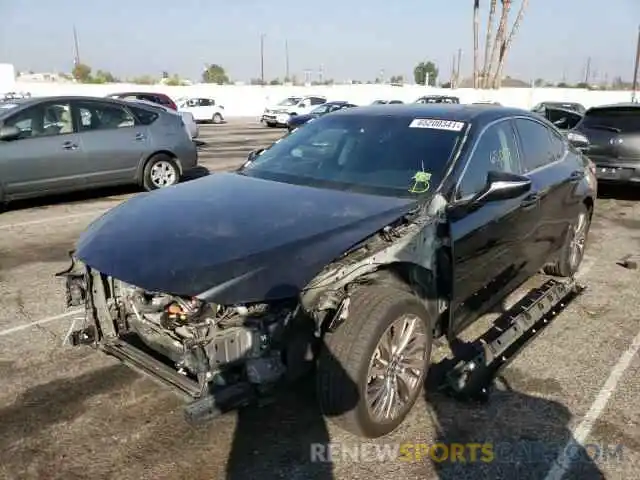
(458, 68)
(452, 82)
(286, 57)
(587, 72)
(634, 88)
(262, 58)
(76, 48)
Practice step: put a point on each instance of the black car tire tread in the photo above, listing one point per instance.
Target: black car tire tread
(562, 266)
(146, 174)
(347, 352)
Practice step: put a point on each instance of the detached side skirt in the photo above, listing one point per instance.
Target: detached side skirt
(472, 379)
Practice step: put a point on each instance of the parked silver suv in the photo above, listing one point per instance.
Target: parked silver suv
(60, 144)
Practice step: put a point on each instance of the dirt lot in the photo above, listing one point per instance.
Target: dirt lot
(71, 413)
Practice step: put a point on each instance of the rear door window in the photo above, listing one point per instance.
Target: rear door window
(103, 116)
(145, 117)
(536, 141)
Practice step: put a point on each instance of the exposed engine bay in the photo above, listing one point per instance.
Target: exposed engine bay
(256, 346)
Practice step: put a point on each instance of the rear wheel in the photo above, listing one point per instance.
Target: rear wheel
(575, 242)
(160, 171)
(372, 369)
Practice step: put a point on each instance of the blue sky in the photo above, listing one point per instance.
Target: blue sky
(350, 39)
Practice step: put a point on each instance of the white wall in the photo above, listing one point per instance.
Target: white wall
(7, 77)
(240, 101)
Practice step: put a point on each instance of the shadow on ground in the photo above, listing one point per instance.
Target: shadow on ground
(56, 402)
(99, 194)
(513, 435)
(619, 192)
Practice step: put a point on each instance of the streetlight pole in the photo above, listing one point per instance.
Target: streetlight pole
(634, 89)
(262, 58)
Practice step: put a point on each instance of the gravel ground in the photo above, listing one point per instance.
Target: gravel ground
(72, 413)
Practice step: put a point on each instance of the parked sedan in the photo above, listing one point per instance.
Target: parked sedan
(345, 249)
(437, 99)
(296, 121)
(574, 106)
(159, 98)
(202, 109)
(563, 118)
(60, 144)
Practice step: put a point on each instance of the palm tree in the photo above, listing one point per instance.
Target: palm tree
(506, 44)
(487, 67)
(476, 12)
(500, 36)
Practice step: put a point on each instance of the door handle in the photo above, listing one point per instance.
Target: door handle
(530, 201)
(69, 146)
(140, 136)
(577, 175)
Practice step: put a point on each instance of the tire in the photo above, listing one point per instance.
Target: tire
(271, 124)
(160, 161)
(571, 257)
(347, 354)
(217, 118)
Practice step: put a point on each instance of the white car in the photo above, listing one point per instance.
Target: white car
(202, 109)
(278, 115)
(187, 117)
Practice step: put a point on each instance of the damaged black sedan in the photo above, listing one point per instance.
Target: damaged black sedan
(343, 250)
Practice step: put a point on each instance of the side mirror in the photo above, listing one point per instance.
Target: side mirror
(255, 153)
(9, 133)
(502, 186)
(499, 186)
(578, 140)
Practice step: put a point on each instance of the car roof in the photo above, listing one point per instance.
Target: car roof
(122, 94)
(616, 105)
(26, 102)
(440, 111)
(558, 102)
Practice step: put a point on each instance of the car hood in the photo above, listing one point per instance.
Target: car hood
(300, 119)
(229, 238)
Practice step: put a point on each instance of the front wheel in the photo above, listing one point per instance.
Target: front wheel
(160, 171)
(372, 369)
(217, 118)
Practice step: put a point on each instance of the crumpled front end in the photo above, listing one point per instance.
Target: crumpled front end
(198, 348)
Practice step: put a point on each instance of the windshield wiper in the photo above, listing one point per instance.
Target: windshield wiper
(604, 127)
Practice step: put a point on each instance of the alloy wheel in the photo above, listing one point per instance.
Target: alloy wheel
(163, 174)
(397, 367)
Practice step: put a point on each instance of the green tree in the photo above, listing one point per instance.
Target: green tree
(396, 79)
(426, 72)
(275, 81)
(215, 74)
(81, 72)
(539, 82)
(144, 80)
(173, 81)
(102, 76)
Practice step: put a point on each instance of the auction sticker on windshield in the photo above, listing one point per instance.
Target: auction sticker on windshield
(436, 124)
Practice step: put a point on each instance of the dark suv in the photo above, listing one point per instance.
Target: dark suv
(613, 135)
